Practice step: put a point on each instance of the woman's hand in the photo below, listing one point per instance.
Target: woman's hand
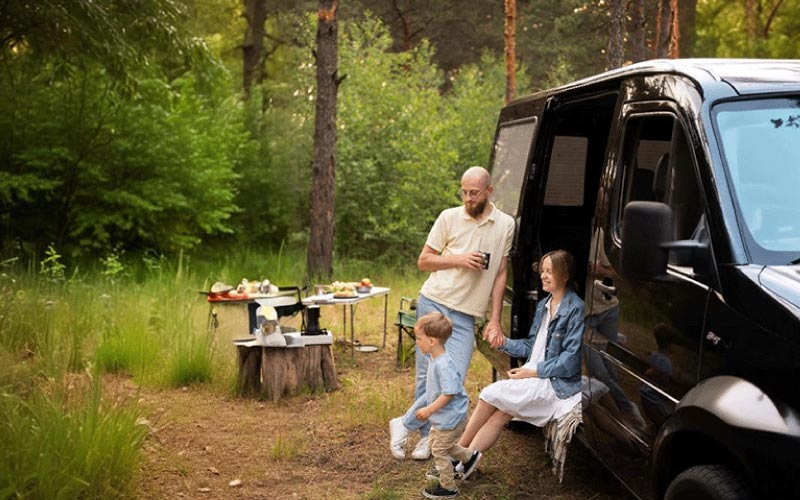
(493, 333)
(517, 373)
(423, 413)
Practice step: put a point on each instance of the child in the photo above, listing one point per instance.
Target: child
(447, 403)
(548, 385)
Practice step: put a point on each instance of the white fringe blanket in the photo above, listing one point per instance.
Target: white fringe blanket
(558, 434)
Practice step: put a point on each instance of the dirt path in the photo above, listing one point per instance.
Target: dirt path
(330, 446)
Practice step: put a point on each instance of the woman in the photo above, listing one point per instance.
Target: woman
(548, 385)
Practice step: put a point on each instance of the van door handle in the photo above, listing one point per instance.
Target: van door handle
(606, 289)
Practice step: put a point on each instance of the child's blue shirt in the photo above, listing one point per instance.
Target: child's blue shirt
(443, 378)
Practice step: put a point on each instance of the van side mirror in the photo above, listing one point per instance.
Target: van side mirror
(646, 227)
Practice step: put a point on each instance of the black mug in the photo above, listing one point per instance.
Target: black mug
(486, 257)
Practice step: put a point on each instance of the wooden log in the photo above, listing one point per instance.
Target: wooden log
(328, 368)
(249, 370)
(289, 371)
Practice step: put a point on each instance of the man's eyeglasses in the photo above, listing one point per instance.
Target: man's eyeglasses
(471, 193)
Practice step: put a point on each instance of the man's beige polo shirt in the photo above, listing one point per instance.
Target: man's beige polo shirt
(456, 232)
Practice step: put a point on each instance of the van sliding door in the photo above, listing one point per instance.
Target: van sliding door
(643, 338)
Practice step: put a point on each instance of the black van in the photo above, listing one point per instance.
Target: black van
(677, 183)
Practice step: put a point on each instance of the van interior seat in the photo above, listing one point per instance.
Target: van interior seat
(661, 178)
(642, 188)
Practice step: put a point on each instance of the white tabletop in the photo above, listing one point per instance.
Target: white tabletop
(327, 298)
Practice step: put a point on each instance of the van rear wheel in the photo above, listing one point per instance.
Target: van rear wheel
(708, 482)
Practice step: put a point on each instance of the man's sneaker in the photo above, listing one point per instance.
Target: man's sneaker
(471, 464)
(398, 436)
(423, 449)
(439, 492)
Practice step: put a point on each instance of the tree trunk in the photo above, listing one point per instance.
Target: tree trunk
(405, 24)
(674, 50)
(616, 51)
(688, 14)
(750, 23)
(639, 47)
(509, 36)
(661, 47)
(255, 12)
(320, 245)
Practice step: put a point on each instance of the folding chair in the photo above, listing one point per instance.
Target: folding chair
(406, 319)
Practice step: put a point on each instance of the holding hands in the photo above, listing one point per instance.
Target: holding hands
(493, 333)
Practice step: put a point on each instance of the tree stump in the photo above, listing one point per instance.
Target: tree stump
(275, 372)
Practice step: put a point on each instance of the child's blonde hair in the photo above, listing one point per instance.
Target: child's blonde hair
(436, 325)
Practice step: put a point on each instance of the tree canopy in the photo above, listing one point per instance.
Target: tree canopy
(124, 124)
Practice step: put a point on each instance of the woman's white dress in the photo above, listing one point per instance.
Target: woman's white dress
(532, 400)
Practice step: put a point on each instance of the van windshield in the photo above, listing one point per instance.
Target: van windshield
(761, 147)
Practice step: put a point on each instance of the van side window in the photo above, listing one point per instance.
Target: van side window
(566, 172)
(509, 161)
(658, 166)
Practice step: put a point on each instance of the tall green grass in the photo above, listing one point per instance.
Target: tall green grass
(58, 445)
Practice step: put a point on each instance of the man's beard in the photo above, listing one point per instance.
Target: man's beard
(476, 209)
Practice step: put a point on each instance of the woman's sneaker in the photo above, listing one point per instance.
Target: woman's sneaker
(471, 464)
(439, 492)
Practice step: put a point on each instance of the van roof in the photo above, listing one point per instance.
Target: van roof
(745, 76)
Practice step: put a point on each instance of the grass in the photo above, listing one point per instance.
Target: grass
(147, 321)
(288, 446)
(61, 446)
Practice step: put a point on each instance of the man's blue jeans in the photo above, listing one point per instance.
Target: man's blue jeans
(459, 345)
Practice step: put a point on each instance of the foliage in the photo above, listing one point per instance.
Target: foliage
(51, 267)
(121, 36)
(154, 170)
(722, 31)
(274, 188)
(562, 40)
(403, 144)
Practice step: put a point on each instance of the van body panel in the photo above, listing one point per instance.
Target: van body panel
(695, 364)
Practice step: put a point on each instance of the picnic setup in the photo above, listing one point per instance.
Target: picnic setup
(275, 360)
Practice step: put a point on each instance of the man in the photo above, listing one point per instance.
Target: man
(466, 253)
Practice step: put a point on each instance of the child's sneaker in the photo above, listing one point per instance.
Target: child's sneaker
(433, 474)
(471, 464)
(439, 492)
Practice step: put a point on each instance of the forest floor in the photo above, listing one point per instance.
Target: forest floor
(208, 445)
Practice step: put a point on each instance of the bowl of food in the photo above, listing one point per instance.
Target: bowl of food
(364, 286)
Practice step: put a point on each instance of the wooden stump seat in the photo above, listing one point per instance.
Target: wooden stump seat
(275, 372)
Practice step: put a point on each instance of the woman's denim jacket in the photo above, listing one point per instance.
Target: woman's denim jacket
(562, 358)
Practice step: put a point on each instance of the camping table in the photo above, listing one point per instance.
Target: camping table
(326, 299)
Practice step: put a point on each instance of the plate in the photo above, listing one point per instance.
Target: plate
(366, 348)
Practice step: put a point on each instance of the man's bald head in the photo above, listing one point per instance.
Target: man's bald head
(477, 175)
(475, 190)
